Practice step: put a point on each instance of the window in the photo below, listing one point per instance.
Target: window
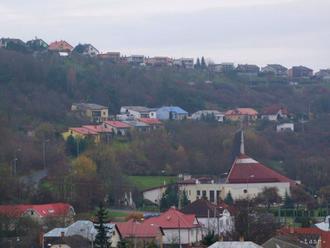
(198, 192)
(245, 191)
(204, 194)
(211, 195)
(218, 196)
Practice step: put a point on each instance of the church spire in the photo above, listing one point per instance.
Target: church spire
(242, 150)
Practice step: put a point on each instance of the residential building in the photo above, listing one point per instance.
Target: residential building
(274, 113)
(86, 49)
(136, 59)
(285, 242)
(104, 131)
(208, 115)
(94, 112)
(285, 127)
(110, 56)
(240, 114)
(154, 123)
(300, 72)
(159, 61)
(323, 74)
(187, 63)
(234, 244)
(171, 113)
(178, 228)
(138, 112)
(223, 67)
(138, 125)
(118, 127)
(83, 229)
(141, 233)
(82, 133)
(247, 70)
(211, 217)
(276, 70)
(13, 44)
(40, 212)
(37, 45)
(62, 47)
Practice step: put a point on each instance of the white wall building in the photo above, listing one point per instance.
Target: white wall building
(284, 127)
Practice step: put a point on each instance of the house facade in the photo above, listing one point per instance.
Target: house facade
(240, 114)
(223, 67)
(94, 112)
(274, 113)
(110, 56)
(285, 127)
(276, 69)
(208, 115)
(247, 70)
(37, 45)
(300, 72)
(86, 49)
(62, 47)
(171, 113)
(138, 112)
(187, 63)
(159, 61)
(136, 59)
(118, 127)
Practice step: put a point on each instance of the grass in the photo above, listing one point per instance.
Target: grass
(146, 182)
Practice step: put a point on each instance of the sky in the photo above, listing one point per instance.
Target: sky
(289, 32)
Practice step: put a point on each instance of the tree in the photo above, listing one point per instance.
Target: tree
(209, 239)
(229, 199)
(198, 64)
(84, 167)
(101, 239)
(170, 197)
(269, 196)
(203, 63)
(184, 199)
(288, 202)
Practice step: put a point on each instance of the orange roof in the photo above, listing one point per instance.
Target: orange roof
(242, 111)
(151, 121)
(117, 124)
(60, 46)
(98, 128)
(83, 131)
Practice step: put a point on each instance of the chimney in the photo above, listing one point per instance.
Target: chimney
(241, 238)
(242, 150)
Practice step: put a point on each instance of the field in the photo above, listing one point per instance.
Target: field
(145, 182)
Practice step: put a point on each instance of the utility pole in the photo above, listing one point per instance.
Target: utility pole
(179, 232)
(44, 151)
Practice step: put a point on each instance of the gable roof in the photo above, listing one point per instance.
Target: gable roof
(98, 128)
(83, 130)
(242, 111)
(137, 229)
(203, 208)
(285, 241)
(175, 109)
(44, 210)
(60, 46)
(117, 124)
(274, 109)
(247, 170)
(174, 219)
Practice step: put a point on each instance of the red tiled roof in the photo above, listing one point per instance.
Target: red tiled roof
(151, 121)
(117, 124)
(98, 128)
(273, 110)
(242, 111)
(174, 219)
(44, 210)
(136, 229)
(60, 46)
(248, 170)
(83, 131)
(203, 208)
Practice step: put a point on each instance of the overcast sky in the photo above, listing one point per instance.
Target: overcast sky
(291, 32)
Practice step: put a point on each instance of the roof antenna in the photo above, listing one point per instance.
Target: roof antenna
(242, 150)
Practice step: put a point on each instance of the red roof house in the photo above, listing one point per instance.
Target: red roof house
(137, 229)
(60, 46)
(239, 113)
(118, 127)
(39, 211)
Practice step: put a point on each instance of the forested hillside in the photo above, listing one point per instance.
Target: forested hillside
(36, 93)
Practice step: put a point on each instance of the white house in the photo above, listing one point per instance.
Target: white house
(284, 127)
(187, 63)
(274, 113)
(136, 59)
(206, 114)
(138, 112)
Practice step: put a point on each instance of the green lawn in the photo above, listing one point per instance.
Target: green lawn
(145, 182)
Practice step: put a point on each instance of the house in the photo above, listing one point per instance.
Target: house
(274, 113)
(136, 59)
(37, 45)
(323, 74)
(61, 47)
(40, 212)
(248, 177)
(82, 133)
(141, 233)
(104, 131)
(110, 56)
(285, 127)
(300, 72)
(178, 228)
(159, 61)
(154, 123)
(223, 67)
(94, 112)
(187, 63)
(138, 125)
(285, 242)
(208, 115)
(239, 114)
(84, 229)
(118, 127)
(234, 244)
(13, 44)
(247, 70)
(138, 112)
(211, 217)
(171, 113)
(276, 70)
(86, 49)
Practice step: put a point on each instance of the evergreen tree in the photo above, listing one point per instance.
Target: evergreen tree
(198, 64)
(184, 199)
(170, 198)
(288, 202)
(203, 64)
(209, 239)
(101, 239)
(229, 199)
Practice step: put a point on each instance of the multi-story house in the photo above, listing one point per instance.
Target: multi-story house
(187, 63)
(136, 59)
(86, 49)
(94, 112)
(300, 72)
(61, 47)
(276, 69)
(37, 45)
(247, 70)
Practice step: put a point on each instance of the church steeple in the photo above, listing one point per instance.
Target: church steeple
(242, 150)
